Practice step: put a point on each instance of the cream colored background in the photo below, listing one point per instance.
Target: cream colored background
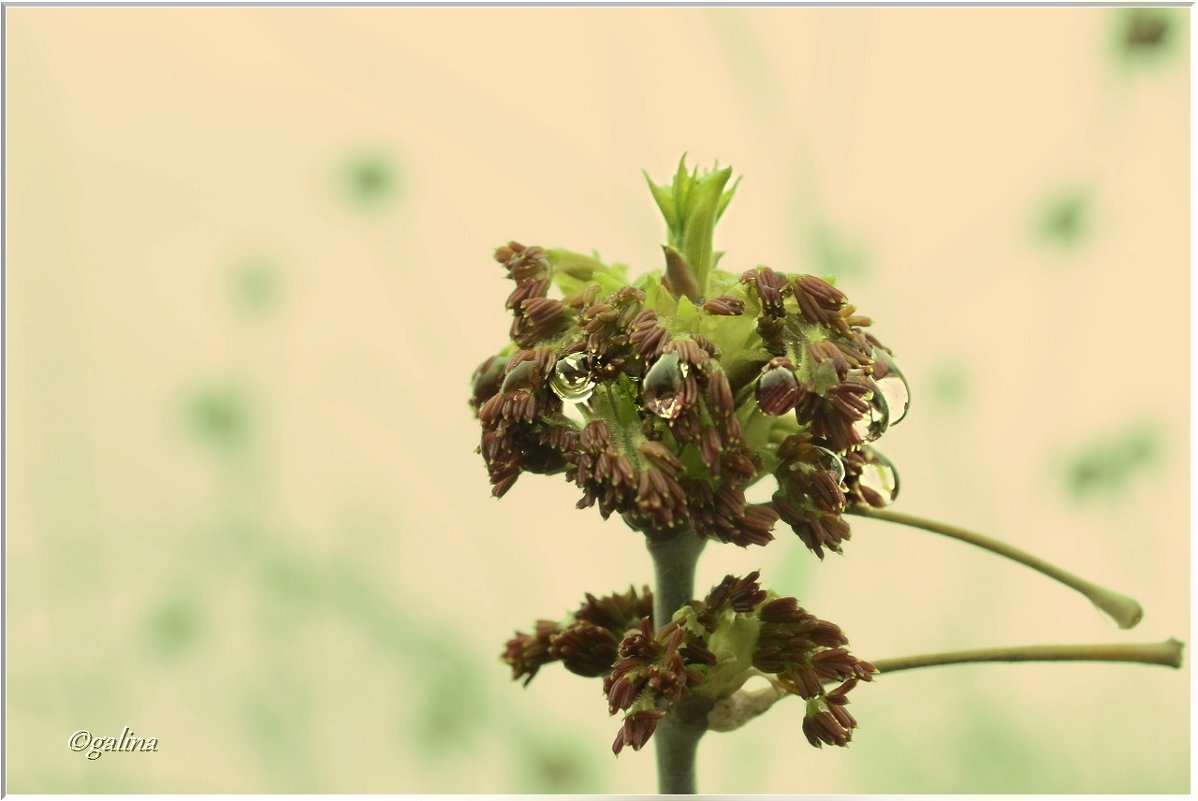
(312, 597)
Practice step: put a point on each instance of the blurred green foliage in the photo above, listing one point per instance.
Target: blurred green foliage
(174, 626)
(257, 285)
(276, 715)
(220, 416)
(371, 180)
(832, 253)
(992, 744)
(746, 56)
(1106, 467)
(452, 709)
(1145, 36)
(1065, 219)
(558, 763)
(950, 385)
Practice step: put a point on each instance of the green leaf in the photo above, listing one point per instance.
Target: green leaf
(665, 201)
(699, 218)
(727, 198)
(687, 317)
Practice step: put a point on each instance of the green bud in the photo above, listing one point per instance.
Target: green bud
(691, 205)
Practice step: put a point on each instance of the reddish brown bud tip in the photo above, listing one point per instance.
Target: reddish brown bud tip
(585, 649)
(725, 305)
(527, 653)
(777, 388)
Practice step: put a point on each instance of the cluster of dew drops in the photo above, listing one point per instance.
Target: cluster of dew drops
(877, 478)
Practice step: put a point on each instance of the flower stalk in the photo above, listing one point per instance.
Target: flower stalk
(1166, 654)
(745, 705)
(1125, 611)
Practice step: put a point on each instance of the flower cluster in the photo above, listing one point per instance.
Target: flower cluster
(666, 398)
(679, 408)
(587, 643)
(709, 649)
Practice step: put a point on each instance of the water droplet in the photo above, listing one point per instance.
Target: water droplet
(874, 423)
(777, 389)
(893, 385)
(661, 387)
(573, 413)
(878, 482)
(572, 378)
(828, 461)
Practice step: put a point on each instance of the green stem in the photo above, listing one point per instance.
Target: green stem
(1123, 610)
(677, 735)
(731, 713)
(1167, 653)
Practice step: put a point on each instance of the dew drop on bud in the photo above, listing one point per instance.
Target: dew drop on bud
(571, 379)
(828, 461)
(892, 385)
(878, 482)
(777, 389)
(661, 386)
(874, 422)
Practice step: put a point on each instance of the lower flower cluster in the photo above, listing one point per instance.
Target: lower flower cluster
(709, 649)
(587, 644)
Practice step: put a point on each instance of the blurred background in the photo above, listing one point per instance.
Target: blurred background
(249, 275)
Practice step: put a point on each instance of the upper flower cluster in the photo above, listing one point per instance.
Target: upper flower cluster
(665, 398)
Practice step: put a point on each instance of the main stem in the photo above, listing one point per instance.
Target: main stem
(677, 739)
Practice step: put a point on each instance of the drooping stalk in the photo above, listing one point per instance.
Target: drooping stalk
(735, 711)
(1123, 610)
(1167, 654)
(677, 737)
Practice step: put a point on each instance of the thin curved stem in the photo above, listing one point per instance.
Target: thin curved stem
(1123, 610)
(1167, 653)
(745, 705)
